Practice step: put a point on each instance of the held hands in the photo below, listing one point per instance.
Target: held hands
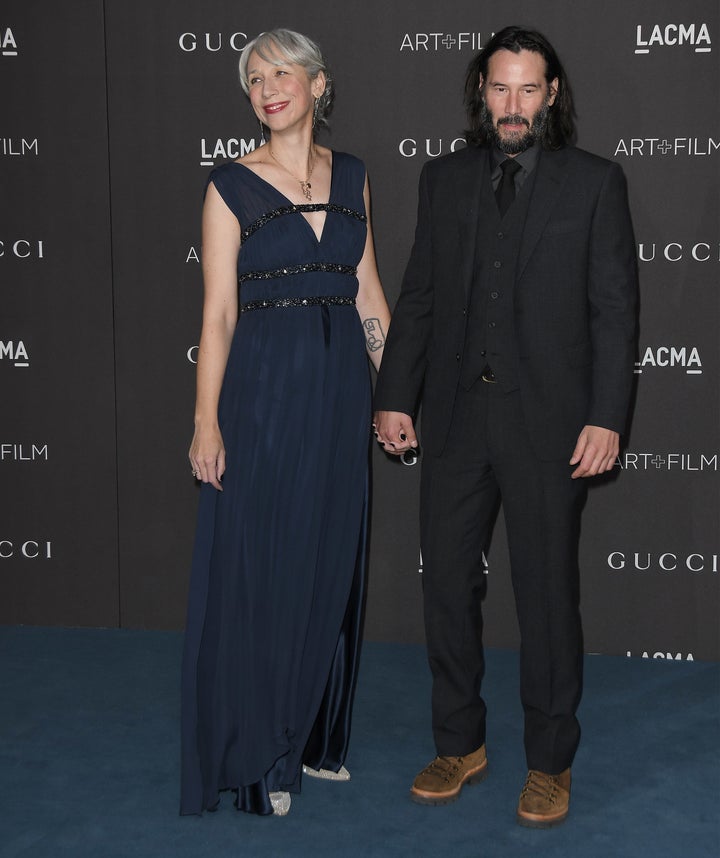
(394, 432)
(207, 456)
(595, 452)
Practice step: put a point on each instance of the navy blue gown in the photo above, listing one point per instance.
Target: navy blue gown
(276, 590)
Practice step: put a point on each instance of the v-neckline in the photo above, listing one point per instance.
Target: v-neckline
(318, 240)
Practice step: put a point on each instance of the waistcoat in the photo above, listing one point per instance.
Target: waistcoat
(491, 336)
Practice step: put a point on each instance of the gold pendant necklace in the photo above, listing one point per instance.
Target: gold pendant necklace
(305, 186)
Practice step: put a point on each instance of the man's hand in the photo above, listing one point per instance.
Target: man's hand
(595, 452)
(395, 432)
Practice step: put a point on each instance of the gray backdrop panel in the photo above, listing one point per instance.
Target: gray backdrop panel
(650, 533)
(58, 530)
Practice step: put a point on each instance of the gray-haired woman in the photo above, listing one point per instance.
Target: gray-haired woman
(282, 428)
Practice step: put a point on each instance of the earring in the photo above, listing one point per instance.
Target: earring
(315, 113)
(262, 132)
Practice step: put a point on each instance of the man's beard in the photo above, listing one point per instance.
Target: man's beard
(517, 142)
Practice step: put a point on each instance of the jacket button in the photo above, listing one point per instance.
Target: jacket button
(457, 356)
(494, 294)
(497, 263)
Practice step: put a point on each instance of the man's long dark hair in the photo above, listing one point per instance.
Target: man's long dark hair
(560, 128)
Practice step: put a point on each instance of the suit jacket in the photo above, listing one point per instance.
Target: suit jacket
(574, 302)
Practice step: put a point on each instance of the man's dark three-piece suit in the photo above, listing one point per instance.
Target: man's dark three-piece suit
(542, 303)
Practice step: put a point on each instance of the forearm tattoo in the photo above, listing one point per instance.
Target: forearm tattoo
(374, 334)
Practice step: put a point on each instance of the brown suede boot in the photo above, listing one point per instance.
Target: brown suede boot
(544, 800)
(442, 780)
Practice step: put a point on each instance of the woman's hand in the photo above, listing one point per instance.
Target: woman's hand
(207, 456)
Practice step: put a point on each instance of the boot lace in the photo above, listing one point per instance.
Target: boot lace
(444, 767)
(542, 785)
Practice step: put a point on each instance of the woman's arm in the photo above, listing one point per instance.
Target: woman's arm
(220, 247)
(371, 304)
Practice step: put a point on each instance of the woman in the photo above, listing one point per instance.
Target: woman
(281, 438)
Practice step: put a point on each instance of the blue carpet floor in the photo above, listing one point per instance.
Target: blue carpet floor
(89, 761)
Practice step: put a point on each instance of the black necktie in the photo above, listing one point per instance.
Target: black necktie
(505, 191)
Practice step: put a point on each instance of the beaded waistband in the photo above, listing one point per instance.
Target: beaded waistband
(307, 267)
(323, 300)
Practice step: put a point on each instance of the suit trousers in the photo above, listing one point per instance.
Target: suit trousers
(488, 458)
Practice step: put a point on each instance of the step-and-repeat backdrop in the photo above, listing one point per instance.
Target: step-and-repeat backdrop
(113, 114)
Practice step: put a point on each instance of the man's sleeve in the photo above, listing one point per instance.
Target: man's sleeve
(403, 365)
(612, 293)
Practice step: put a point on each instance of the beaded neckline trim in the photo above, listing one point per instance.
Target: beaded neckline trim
(304, 207)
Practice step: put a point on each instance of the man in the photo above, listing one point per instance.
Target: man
(517, 322)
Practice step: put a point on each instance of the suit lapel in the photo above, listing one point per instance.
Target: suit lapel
(469, 196)
(549, 181)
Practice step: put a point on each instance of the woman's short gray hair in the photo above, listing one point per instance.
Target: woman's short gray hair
(276, 45)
